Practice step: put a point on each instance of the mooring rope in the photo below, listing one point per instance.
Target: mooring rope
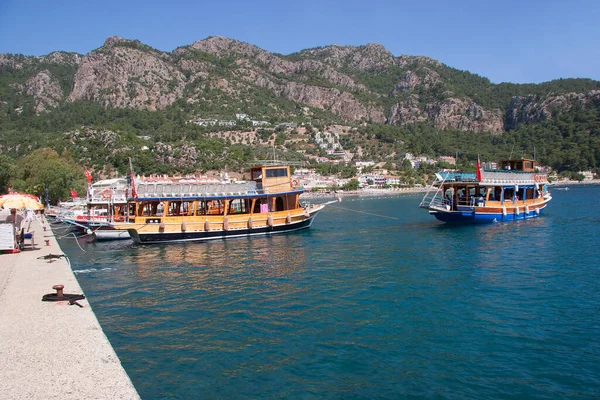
(74, 237)
(77, 241)
(364, 212)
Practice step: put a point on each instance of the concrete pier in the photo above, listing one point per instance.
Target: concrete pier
(52, 350)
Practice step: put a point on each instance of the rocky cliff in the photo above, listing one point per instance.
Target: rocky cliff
(364, 84)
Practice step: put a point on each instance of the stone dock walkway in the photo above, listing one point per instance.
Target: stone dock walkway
(52, 350)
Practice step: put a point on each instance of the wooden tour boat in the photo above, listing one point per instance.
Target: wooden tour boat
(181, 211)
(515, 191)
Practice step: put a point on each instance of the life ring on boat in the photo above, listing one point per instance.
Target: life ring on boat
(106, 193)
(295, 183)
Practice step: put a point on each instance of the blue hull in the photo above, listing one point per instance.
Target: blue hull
(465, 217)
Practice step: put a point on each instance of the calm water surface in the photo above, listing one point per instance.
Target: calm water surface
(377, 300)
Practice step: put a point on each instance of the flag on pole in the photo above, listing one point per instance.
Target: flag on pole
(478, 172)
(88, 176)
(132, 180)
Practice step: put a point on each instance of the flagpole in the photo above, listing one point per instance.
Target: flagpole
(132, 179)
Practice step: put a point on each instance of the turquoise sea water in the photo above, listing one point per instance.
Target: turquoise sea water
(361, 306)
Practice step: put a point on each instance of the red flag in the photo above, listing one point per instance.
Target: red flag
(132, 180)
(133, 191)
(88, 176)
(73, 193)
(478, 173)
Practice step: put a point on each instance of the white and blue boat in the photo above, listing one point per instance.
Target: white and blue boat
(516, 191)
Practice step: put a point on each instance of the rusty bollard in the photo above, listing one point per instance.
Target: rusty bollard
(47, 242)
(59, 290)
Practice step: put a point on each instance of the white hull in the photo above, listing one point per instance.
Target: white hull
(111, 234)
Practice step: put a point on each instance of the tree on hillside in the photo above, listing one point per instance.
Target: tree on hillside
(46, 166)
(351, 186)
(6, 171)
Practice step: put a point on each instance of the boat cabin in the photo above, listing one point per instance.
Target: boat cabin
(271, 179)
(515, 183)
(270, 189)
(520, 164)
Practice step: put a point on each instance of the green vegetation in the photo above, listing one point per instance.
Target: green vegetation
(77, 134)
(44, 167)
(570, 141)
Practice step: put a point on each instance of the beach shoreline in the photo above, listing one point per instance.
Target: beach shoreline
(367, 192)
(566, 182)
(412, 190)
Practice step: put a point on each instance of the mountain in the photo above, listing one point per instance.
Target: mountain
(216, 78)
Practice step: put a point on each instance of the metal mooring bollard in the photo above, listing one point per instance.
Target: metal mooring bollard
(47, 242)
(59, 290)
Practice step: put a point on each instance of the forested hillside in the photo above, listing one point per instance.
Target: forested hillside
(180, 111)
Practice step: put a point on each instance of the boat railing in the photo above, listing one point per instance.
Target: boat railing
(433, 199)
(179, 190)
(112, 195)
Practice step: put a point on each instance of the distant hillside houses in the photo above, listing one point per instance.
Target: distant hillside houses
(330, 143)
(371, 180)
(221, 122)
(416, 162)
(587, 175)
(245, 117)
(392, 180)
(212, 122)
(286, 125)
(448, 159)
(320, 159)
(311, 180)
(360, 165)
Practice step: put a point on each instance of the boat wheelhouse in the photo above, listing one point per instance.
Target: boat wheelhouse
(182, 211)
(513, 192)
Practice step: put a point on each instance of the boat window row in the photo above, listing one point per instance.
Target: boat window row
(469, 195)
(208, 207)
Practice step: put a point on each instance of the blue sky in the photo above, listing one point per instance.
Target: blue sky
(526, 41)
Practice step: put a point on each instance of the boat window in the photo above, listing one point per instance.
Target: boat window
(238, 206)
(261, 206)
(201, 207)
(256, 174)
(215, 207)
(279, 204)
(461, 192)
(529, 193)
(276, 172)
(498, 193)
(174, 207)
(449, 195)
